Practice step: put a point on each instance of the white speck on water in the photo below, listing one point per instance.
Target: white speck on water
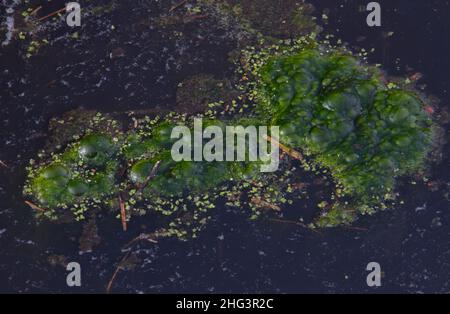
(436, 222)
(24, 241)
(420, 208)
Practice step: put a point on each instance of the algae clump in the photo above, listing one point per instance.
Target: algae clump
(341, 114)
(337, 111)
(83, 176)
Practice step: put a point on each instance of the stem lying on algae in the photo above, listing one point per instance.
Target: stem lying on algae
(150, 176)
(34, 206)
(291, 152)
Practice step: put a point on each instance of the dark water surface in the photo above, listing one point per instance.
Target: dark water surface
(411, 243)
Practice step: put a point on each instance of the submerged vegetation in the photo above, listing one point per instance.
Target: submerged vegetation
(338, 118)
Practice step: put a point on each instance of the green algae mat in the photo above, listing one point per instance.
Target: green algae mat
(333, 109)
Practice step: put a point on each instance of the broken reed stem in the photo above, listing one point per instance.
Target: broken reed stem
(176, 6)
(143, 236)
(3, 164)
(36, 10)
(52, 14)
(291, 152)
(34, 206)
(123, 214)
(118, 268)
(150, 176)
(151, 237)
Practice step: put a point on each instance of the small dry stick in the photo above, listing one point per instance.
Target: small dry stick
(150, 237)
(36, 10)
(150, 176)
(123, 214)
(3, 164)
(143, 236)
(51, 14)
(291, 152)
(118, 268)
(176, 6)
(35, 207)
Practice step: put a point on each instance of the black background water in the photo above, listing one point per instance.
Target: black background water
(411, 243)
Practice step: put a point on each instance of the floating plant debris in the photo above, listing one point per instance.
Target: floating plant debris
(330, 107)
(88, 173)
(341, 114)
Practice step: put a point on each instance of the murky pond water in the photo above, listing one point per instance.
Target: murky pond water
(119, 61)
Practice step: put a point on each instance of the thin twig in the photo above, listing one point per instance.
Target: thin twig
(142, 236)
(150, 176)
(118, 268)
(176, 6)
(36, 10)
(34, 206)
(4, 164)
(123, 213)
(150, 237)
(291, 152)
(51, 14)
